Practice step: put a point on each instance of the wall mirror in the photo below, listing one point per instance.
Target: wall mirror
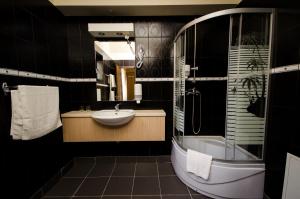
(115, 61)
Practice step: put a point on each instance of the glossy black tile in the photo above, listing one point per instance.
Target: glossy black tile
(146, 197)
(146, 169)
(177, 197)
(105, 160)
(200, 196)
(287, 49)
(92, 187)
(172, 185)
(167, 67)
(155, 48)
(119, 186)
(7, 17)
(8, 52)
(24, 27)
(146, 186)
(155, 91)
(124, 169)
(163, 159)
(155, 29)
(154, 67)
(65, 187)
(165, 169)
(102, 169)
(81, 167)
(167, 48)
(141, 29)
(126, 159)
(148, 159)
(167, 30)
(116, 197)
(26, 55)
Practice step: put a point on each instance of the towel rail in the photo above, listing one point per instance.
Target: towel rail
(6, 89)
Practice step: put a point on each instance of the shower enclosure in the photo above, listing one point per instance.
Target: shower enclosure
(221, 81)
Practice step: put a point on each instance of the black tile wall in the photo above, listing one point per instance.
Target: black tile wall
(155, 35)
(284, 107)
(33, 38)
(283, 129)
(212, 47)
(213, 108)
(287, 49)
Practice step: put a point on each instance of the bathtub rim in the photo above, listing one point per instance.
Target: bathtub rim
(259, 162)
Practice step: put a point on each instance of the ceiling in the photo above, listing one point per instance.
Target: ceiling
(141, 7)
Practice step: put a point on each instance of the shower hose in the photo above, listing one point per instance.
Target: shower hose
(193, 113)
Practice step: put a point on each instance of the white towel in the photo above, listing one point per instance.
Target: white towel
(198, 163)
(35, 111)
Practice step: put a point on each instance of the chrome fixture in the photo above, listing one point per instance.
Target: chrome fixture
(193, 91)
(140, 58)
(117, 107)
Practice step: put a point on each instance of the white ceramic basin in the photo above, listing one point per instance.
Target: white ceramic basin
(113, 117)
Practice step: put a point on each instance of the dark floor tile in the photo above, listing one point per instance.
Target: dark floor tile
(196, 195)
(200, 196)
(172, 185)
(146, 197)
(65, 187)
(146, 169)
(85, 197)
(146, 186)
(105, 159)
(102, 170)
(164, 158)
(146, 158)
(92, 187)
(177, 197)
(165, 169)
(124, 169)
(81, 167)
(126, 159)
(57, 197)
(116, 197)
(119, 186)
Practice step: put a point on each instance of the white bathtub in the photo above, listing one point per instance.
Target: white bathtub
(227, 179)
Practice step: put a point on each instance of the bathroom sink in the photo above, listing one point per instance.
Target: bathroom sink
(113, 117)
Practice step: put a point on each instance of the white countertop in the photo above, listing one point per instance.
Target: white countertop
(138, 113)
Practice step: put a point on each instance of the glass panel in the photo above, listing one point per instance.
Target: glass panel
(247, 86)
(212, 47)
(190, 46)
(179, 87)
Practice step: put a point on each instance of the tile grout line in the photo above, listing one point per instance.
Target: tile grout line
(111, 173)
(135, 165)
(158, 180)
(120, 176)
(91, 169)
(189, 192)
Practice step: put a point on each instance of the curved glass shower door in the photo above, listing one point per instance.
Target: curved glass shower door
(248, 75)
(223, 102)
(179, 87)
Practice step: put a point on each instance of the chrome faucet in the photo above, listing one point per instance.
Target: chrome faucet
(192, 91)
(117, 107)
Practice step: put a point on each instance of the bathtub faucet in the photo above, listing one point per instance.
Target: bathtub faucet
(192, 91)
